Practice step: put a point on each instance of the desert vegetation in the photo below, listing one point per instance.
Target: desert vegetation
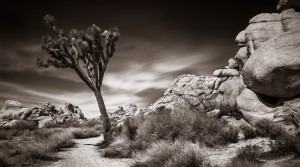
(283, 143)
(247, 156)
(23, 147)
(176, 138)
(29, 146)
(169, 154)
(167, 132)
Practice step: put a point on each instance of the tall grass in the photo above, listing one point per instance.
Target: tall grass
(7, 134)
(82, 133)
(34, 145)
(247, 157)
(170, 154)
(86, 123)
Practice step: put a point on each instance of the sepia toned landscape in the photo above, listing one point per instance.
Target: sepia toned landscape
(150, 84)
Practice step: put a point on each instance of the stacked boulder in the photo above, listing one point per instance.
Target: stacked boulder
(262, 81)
(120, 115)
(14, 113)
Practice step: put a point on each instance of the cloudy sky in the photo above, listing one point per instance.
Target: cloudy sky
(159, 41)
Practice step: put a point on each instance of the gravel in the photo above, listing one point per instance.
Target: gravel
(85, 154)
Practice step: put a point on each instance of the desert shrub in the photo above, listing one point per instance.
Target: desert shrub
(230, 134)
(34, 145)
(248, 132)
(247, 156)
(4, 160)
(267, 128)
(139, 133)
(169, 154)
(91, 122)
(86, 123)
(81, 133)
(243, 163)
(124, 148)
(193, 126)
(6, 134)
(129, 128)
(284, 144)
(281, 146)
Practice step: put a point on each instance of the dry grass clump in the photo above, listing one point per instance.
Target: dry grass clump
(35, 145)
(267, 128)
(7, 134)
(249, 132)
(247, 157)
(283, 143)
(186, 125)
(169, 154)
(82, 133)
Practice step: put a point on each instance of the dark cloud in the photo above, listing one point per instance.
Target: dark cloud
(159, 41)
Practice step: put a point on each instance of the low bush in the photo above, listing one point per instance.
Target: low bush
(82, 133)
(249, 132)
(86, 123)
(282, 146)
(267, 128)
(7, 134)
(124, 148)
(170, 154)
(186, 125)
(247, 156)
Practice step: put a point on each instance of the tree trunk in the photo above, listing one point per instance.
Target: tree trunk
(104, 117)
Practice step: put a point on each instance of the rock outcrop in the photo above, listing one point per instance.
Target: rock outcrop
(252, 108)
(190, 92)
(274, 68)
(262, 81)
(14, 114)
(14, 110)
(120, 115)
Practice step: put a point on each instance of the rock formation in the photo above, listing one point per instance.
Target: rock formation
(120, 115)
(15, 113)
(262, 81)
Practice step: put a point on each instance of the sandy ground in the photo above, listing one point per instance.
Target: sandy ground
(85, 154)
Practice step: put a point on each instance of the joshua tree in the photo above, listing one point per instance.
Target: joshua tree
(86, 52)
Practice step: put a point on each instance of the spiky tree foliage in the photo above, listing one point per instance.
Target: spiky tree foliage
(87, 52)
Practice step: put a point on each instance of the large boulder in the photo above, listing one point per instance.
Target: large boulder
(190, 92)
(14, 110)
(288, 4)
(230, 90)
(252, 108)
(242, 56)
(288, 114)
(240, 39)
(274, 69)
(69, 108)
(226, 72)
(263, 27)
(291, 20)
(43, 121)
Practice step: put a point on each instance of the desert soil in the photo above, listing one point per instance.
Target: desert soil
(86, 154)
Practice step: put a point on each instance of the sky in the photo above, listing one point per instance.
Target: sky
(159, 41)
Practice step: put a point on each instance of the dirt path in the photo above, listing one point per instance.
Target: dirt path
(85, 154)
